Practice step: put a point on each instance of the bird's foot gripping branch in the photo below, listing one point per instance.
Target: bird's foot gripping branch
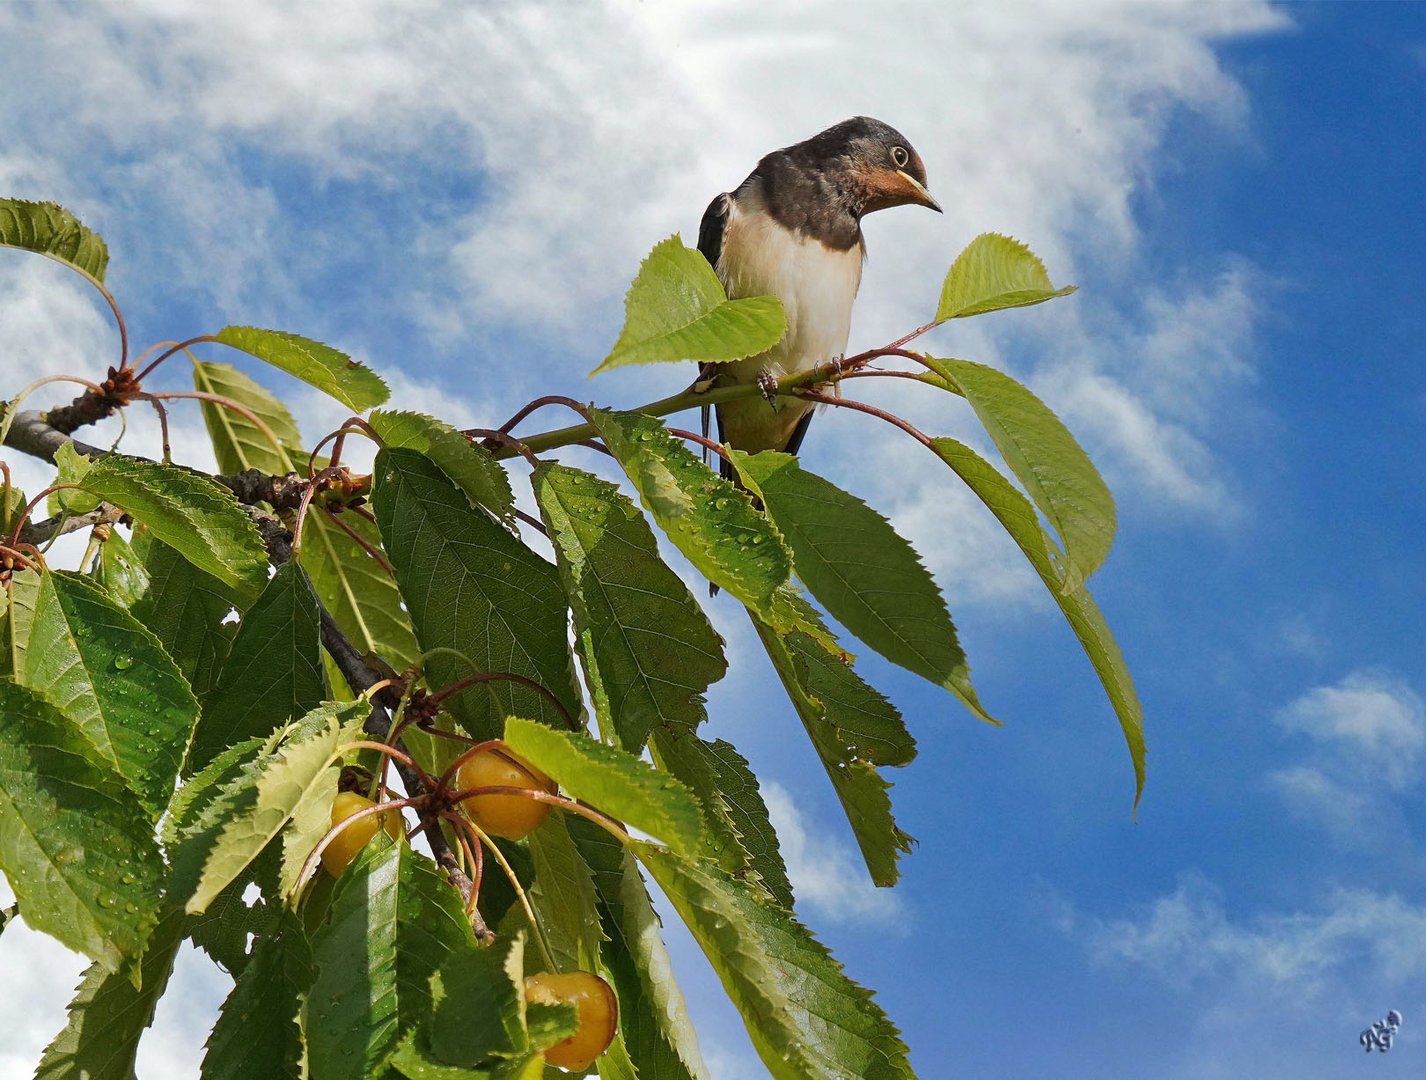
(184, 727)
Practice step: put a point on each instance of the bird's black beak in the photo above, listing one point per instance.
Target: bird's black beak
(921, 196)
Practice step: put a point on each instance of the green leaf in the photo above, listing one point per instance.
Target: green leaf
(119, 570)
(334, 373)
(853, 729)
(676, 309)
(75, 844)
(189, 512)
(303, 772)
(109, 1014)
(710, 520)
(1045, 457)
(479, 1003)
(274, 669)
(563, 897)
(470, 467)
(639, 629)
(992, 273)
(185, 607)
(72, 467)
(806, 1018)
(394, 920)
(21, 592)
(472, 587)
(738, 833)
(49, 229)
(357, 591)
(654, 1029)
(256, 1034)
(862, 570)
(617, 783)
(238, 443)
(1015, 513)
(112, 680)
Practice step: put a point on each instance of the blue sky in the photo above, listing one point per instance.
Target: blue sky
(460, 197)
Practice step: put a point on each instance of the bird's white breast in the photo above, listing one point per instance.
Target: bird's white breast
(815, 283)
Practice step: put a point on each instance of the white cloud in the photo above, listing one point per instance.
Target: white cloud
(588, 132)
(827, 875)
(1189, 934)
(1370, 718)
(1364, 741)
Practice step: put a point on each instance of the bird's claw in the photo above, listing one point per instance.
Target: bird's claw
(767, 383)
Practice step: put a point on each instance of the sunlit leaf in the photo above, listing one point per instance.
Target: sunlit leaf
(50, 229)
(1045, 457)
(112, 680)
(238, 443)
(302, 772)
(992, 273)
(394, 921)
(472, 587)
(676, 309)
(738, 833)
(471, 468)
(854, 730)
(335, 373)
(654, 1029)
(189, 512)
(617, 783)
(649, 652)
(75, 845)
(709, 519)
(1016, 514)
(864, 573)
(805, 1017)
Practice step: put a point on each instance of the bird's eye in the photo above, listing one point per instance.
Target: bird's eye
(899, 156)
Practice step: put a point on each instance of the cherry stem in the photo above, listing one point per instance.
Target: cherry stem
(536, 928)
(226, 403)
(703, 441)
(361, 540)
(389, 751)
(179, 347)
(540, 403)
(871, 410)
(505, 439)
(119, 320)
(489, 744)
(29, 508)
(605, 822)
(331, 834)
(503, 676)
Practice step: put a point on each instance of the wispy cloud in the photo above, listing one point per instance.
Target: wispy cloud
(826, 874)
(1189, 934)
(1361, 754)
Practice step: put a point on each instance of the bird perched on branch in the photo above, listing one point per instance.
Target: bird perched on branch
(792, 230)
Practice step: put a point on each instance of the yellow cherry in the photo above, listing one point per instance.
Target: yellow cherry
(595, 1006)
(337, 855)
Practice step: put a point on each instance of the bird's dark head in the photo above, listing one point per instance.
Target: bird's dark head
(881, 166)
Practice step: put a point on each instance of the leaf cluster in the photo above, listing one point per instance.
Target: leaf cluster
(178, 714)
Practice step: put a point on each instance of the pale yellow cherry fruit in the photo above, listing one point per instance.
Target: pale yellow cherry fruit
(510, 816)
(595, 1006)
(337, 855)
